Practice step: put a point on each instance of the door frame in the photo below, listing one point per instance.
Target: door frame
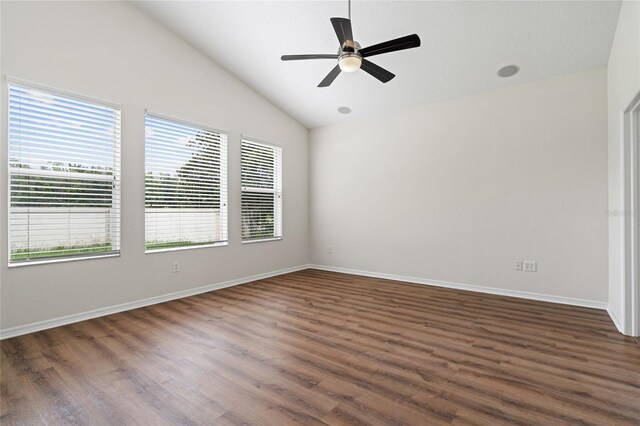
(631, 212)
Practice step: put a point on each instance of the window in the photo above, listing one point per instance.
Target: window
(185, 185)
(64, 174)
(261, 191)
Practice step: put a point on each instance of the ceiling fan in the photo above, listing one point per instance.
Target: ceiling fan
(352, 57)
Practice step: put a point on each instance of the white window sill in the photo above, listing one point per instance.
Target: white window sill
(263, 240)
(220, 244)
(62, 259)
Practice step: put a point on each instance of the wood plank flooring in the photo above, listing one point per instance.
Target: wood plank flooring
(316, 347)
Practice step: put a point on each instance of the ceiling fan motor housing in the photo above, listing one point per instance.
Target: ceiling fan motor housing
(350, 46)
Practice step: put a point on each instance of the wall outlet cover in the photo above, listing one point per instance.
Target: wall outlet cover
(529, 265)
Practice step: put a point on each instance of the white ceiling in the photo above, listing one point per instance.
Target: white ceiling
(463, 46)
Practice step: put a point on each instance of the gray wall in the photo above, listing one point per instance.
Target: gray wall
(455, 191)
(458, 191)
(113, 51)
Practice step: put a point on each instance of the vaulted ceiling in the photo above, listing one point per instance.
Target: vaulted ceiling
(463, 46)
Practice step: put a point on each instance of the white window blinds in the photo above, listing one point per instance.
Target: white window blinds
(64, 174)
(261, 191)
(185, 185)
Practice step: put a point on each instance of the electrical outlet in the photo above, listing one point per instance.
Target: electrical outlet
(329, 249)
(518, 265)
(176, 267)
(529, 265)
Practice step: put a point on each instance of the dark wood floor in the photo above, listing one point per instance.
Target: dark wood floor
(317, 347)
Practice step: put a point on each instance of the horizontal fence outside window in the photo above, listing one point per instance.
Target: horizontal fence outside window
(185, 185)
(64, 176)
(261, 166)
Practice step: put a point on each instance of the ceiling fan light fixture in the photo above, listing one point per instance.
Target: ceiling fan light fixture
(350, 62)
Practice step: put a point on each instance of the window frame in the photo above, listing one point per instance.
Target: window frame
(278, 177)
(74, 96)
(224, 189)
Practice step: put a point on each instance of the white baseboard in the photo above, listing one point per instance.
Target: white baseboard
(615, 319)
(69, 319)
(470, 287)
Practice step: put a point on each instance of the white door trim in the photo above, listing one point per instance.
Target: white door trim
(631, 184)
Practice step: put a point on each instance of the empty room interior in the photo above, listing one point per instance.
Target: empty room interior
(320, 212)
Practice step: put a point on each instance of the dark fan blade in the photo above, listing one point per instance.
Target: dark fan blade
(299, 57)
(376, 71)
(342, 27)
(401, 43)
(330, 77)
